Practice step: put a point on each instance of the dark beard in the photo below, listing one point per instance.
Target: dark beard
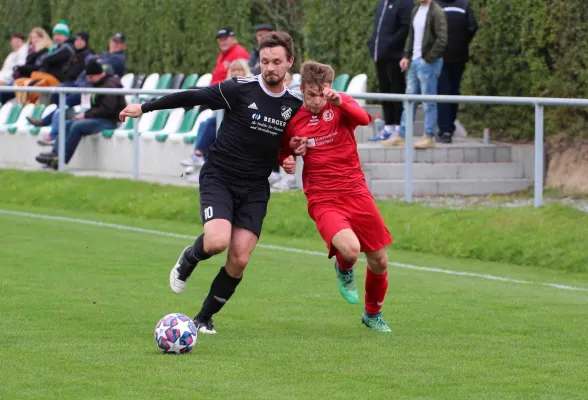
(273, 80)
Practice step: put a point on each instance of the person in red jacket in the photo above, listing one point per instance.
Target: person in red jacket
(339, 200)
(230, 51)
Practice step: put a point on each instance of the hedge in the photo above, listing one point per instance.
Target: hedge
(523, 47)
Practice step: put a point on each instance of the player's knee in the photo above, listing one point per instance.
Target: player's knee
(215, 244)
(378, 263)
(350, 252)
(238, 261)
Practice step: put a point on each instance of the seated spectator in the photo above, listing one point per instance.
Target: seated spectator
(206, 135)
(39, 44)
(18, 57)
(52, 65)
(230, 50)
(103, 114)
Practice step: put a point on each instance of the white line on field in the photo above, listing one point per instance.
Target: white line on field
(287, 249)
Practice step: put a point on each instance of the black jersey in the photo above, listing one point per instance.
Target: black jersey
(254, 122)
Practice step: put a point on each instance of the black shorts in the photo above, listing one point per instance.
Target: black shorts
(243, 203)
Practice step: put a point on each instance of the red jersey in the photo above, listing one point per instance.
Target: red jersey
(225, 59)
(331, 163)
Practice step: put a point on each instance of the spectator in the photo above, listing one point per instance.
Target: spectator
(427, 37)
(206, 135)
(17, 58)
(230, 51)
(39, 44)
(115, 56)
(254, 57)
(52, 64)
(103, 114)
(461, 28)
(386, 45)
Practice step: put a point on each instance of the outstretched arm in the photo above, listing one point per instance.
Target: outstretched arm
(222, 95)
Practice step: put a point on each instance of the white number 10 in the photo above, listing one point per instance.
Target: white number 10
(208, 212)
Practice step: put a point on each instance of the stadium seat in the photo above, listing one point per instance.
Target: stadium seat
(150, 83)
(139, 81)
(18, 117)
(127, 83)
(45, 130)
(358, 85)
(341, 82)
(177, 81)
(158, 124)
(127, 80)
(190, 81)
(26, 126)
(5, 112)
(172, 124)
(126, 126)
(204, 80)
(186, 125)
(164, 81)
(190, 137)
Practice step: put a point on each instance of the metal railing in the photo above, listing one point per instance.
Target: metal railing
(408, 101)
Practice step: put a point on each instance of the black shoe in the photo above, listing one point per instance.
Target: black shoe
(444, 138)
(204, 324)
(36, 121)
(46, 158)
(180, 273)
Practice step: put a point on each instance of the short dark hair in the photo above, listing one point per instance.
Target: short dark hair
(19, 35)
(314, 73)
(277, 39)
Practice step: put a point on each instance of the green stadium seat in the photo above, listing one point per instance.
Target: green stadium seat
(25, 126)
(190, 81)
(187, 124)
(341, 82)
(158, 123)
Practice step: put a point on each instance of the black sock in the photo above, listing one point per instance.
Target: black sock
(196, 253)
(222, 288)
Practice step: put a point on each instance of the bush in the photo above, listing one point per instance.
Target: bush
(523, 48)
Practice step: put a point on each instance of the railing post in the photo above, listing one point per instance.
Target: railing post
(408, 107)
(61, 134)
(135, 169)
(538, 155)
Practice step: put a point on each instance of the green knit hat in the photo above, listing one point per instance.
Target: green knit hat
(61, 28)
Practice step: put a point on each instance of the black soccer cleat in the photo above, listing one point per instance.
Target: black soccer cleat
(204, 324)
(181, 272)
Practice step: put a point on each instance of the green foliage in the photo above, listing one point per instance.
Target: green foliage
(546, 237)
(523, 48)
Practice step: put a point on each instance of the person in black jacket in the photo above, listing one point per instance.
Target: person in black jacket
(461, 28)
(386, 45)
(59, 56)
(102, 115)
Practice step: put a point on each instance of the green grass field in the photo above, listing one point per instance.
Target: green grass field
(79, 304)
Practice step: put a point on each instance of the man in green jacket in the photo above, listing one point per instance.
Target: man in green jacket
(427, 38)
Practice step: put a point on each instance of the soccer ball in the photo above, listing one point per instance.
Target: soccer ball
(175, 334)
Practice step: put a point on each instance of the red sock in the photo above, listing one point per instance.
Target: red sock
(375, 291)
(344, 265)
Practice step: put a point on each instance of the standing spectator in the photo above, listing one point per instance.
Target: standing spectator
(18, 57)
(461, 28)
(103, 114)
(386, 45)
(230, 51)
(254, 57)
(427, 37)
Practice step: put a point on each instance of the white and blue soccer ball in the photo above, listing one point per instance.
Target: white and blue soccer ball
(175, 334)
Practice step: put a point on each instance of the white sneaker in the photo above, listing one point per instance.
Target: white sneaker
(190, 170)
(205, 326)
(188, 162)
(176, 284)
(274, 177)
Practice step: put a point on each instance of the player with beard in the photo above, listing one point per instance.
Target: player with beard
(234, 187)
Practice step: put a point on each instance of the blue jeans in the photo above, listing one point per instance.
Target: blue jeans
(76, 129)
(422, 79)
(206, 136)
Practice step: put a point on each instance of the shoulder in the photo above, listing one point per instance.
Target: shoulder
(293, 96)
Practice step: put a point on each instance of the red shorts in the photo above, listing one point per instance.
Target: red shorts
(357, 212)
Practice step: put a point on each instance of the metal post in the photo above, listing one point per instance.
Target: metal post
(135, 169)
(408, 107)
(61, 135)
(538, 155)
